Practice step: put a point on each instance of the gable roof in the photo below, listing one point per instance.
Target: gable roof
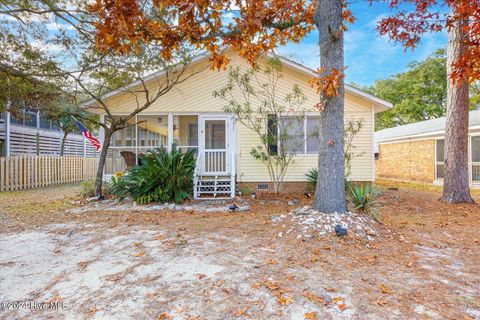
(378, 103)
(421, 129)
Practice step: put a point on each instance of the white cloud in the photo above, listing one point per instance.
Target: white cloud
(45, 46)
(55, 26)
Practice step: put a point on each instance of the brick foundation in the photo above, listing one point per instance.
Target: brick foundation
(407, 161)
(288, 187)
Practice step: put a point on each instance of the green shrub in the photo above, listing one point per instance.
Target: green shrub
(364, 199)
(245, 190)
(162, 177)
(312, 177)
(88, 189)
(119, 186)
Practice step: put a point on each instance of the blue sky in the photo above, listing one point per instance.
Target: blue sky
(368, 56)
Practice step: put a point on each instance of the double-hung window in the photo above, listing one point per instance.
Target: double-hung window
(299, 135)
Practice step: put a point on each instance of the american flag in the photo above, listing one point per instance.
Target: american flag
(87, 134)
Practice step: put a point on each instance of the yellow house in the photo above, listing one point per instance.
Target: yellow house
(189, 116)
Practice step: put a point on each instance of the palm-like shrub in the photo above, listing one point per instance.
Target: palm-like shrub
(364, 198)
(163, 177)
(312, 176)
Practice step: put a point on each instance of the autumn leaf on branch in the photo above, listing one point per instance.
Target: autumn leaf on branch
(407, 28)
(327, 83)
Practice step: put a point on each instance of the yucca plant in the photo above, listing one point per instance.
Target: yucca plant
(364, 198)
(163, 177)
(312, 176)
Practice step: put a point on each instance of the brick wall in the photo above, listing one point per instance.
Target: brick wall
(407, 161)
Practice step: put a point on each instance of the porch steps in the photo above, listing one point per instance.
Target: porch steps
(214, 187)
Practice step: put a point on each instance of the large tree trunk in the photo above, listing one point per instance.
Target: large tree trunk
(456, 182)
(62, 144)
(101, 163)
(330, 191)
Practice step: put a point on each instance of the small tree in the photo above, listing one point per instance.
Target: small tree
(273, 118)
(352, 128)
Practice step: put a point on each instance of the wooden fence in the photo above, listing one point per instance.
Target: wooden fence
(32, 171)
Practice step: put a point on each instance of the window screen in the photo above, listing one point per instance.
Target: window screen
(440, 149)
(476, 149)
(292, 134)
(313, 143)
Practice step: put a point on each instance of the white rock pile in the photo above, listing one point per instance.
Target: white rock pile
(305, 222)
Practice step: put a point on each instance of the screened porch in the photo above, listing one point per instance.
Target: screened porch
(474, 159)
(146, 132)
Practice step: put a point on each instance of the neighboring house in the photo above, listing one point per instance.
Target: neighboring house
(415, 152)
(190, 117)
(32, 133)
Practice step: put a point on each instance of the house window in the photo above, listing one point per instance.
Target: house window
(25, 118)
(475, 141)
(292, 134)
(301, 134)
(439, 158)
(45, 123)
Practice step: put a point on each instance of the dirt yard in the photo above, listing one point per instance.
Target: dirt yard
(423, 264)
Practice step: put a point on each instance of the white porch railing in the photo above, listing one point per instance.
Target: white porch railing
(196, 175)
(215, 161)
(475, 172)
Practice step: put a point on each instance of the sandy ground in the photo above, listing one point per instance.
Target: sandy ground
(424, 264)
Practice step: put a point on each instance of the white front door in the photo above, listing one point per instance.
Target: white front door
(216, 133)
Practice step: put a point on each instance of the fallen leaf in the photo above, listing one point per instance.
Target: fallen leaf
(342, 306)
(160, 237)
(329, 289)
(140, 254)
(201, 276)
(164, 316)
(240, 312)
(271, 261)
(311, 315)
(219, 283)
(284, 301)
(385, 289)
(380, 302)
(271, 285)
(313, 297)
(409, 264)
(336, 300)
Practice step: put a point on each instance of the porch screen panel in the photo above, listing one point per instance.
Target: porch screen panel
(440, 159)
(475, 159)
(215, 146)
(123, 140)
